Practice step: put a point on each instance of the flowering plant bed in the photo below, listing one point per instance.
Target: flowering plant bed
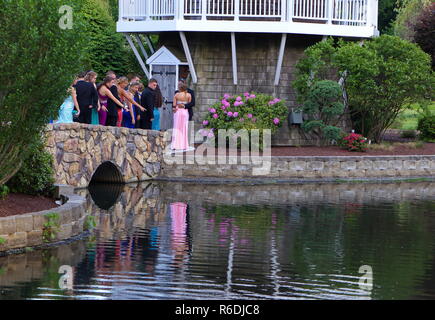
(246, 111)
(354, 142)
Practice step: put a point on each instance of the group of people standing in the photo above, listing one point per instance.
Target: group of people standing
(124, 102)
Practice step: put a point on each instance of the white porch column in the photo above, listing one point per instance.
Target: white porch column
(188, 56)
(234, 56)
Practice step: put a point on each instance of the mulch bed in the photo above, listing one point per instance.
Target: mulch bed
(17, 203)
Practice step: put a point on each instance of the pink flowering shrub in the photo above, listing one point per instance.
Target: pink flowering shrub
(246, 111)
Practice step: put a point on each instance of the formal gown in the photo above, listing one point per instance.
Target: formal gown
(95, 118)
(120, 113)
(156, 121)
(127, 121)
(180, 130)
(102, 114)
(66, 111)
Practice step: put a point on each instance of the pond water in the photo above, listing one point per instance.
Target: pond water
(209, 241)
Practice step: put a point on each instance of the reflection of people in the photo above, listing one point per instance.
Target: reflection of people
(180, 244)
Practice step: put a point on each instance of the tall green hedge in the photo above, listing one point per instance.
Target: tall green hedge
(37, 62)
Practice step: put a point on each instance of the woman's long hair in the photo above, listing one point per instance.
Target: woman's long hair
(158, 97)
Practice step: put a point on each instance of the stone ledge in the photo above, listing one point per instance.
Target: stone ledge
(21, 231)
(305, 167)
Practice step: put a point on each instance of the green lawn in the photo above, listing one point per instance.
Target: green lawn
(408, 118)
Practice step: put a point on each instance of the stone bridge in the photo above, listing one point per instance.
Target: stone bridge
(83, 153)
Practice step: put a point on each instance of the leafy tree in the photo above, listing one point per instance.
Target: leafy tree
(37, 62)
(386, 15)
(105, 49)
(424, 31)
(380, 77)
(408, 12)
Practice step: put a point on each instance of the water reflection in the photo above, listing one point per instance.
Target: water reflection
(193, 241)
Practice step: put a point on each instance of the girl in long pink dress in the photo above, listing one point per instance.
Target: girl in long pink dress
(181, 119)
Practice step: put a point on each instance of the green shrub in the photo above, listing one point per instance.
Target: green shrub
(246, 111)
(2, 241)
(426, 126)
(36, 174)
(35, 53)
(323, 106)
(4, 191)
(51, 227)
(380, 78)
(408, 134)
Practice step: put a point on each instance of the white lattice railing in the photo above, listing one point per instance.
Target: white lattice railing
(341, 12)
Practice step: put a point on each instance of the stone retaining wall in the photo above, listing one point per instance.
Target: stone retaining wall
(288, 168)
(21, 231)
(79, 149)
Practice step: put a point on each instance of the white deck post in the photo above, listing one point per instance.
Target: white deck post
(139, 41)
(203, 9)
(188, 56)
(138, 57)
(148, 10)
(330, 11)
(234, 56)
(280, 58)
(236, 10)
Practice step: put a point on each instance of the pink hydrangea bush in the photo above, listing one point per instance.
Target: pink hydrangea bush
(249, 111)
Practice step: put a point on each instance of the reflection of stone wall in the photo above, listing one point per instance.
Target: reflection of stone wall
(137, 207)
(78, 150)
(282, 194)
(288, 168)
(33, 266)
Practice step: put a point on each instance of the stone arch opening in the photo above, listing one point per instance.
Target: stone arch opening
(107, 172)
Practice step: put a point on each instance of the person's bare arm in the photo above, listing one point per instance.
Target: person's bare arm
(76, 104)
(131, 100)
(130, 109)
(109, 94)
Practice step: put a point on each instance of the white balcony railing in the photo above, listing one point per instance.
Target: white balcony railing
(336, 14)
(344, 12)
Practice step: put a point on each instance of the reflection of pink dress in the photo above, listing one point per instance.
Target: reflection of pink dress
(178, 218)
(180, 131)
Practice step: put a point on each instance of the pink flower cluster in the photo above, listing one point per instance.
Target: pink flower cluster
(274, 101)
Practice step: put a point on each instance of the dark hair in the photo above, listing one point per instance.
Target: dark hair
(82, 74)
(152, 80)
(107, 79)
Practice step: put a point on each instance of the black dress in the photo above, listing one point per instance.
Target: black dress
(112, 108)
